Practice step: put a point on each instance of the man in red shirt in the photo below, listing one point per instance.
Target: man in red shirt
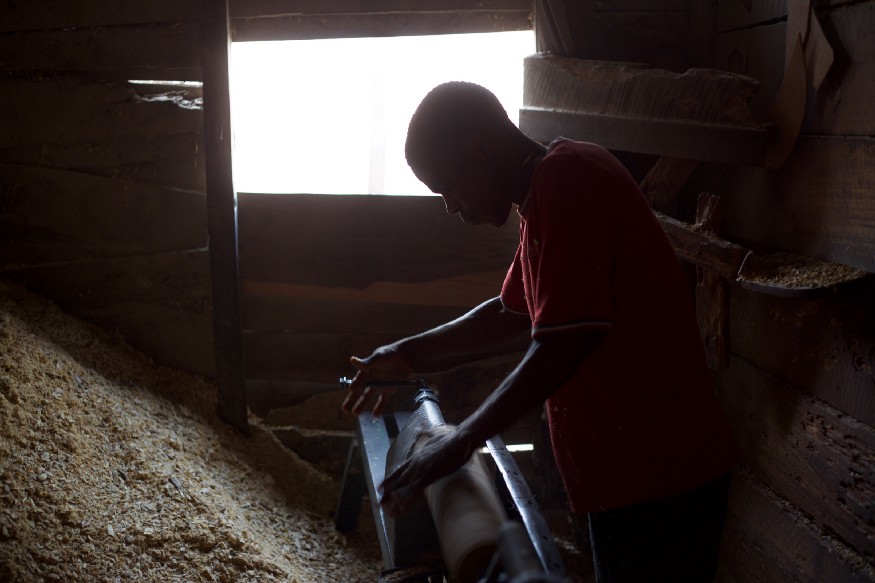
(637, 433)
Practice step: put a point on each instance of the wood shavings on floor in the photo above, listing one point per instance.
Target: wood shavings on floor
(115, 469)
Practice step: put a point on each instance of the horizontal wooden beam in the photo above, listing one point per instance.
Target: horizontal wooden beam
(60, 14)
(308, 27)
(695, 141)
(819, 458)
(702, 248)
(257, 8)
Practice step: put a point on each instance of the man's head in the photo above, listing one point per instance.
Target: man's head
(456, 145)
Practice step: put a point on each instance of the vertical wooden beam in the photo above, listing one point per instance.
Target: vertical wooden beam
(712, 290)
(222, 215)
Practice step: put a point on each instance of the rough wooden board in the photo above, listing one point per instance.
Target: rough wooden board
(819, 204)
(843, 105)
(354, 241)
(815, 456)
(733, 15)
(636, 91)
(148, 51)
(767, 540)
(105, 216)
(724, 144)
(116, 468)
(254, 8)
(311, 356)
(62, 14)
(72, 111)
(376, 25)
(291, 312)
(639, 36)
(702, 248)
(824, 347)
(173, 160)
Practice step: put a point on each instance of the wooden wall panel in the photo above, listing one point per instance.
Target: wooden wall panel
(158, 302)
(734, 15)
(815, 456)
(65, 14)
(824, 347)
(146, 51)
(819, 203)
(96, 216)
(843, 105)
(767, 540)
(354, 241)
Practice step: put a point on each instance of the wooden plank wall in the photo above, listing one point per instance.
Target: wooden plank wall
(635, 31)
(799, 388)
(102, 203)
(325, 277)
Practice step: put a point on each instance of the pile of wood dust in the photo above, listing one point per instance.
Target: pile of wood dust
(115, 469)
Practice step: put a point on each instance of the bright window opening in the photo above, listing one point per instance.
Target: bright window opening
(330, 116)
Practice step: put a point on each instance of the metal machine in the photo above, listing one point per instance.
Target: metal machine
(523, 549)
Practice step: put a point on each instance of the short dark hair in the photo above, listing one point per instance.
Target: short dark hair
(448, 114)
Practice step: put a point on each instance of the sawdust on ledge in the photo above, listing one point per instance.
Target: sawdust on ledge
(115, 469)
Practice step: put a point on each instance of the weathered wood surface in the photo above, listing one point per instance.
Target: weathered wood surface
(222, 216)
(104, 119)
(824, 347)
(767, 540)
(630, 32)
(677, 139)
(665, 180)
(355, 241)
(67, 215)
(703, 249)
(304, 27)
(734, 14)
(703, 96)
(64, 14)
(140, 51)
(819, 204)
(160, 302)
(843, 104)
(256, 8)
(817, 457)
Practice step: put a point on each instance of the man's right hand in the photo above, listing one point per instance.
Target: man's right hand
(385, 364)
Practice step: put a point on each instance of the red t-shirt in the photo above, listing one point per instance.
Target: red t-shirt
(639, 419)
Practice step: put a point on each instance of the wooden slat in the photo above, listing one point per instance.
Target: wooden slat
(174, 160)
(703, 142)
(843, 105)
(733, 14)
(766, 540)
(824, 347)
(635, 91)
(377, 25)
(354, 241)
(99, 116)
(820, 459)
(255, 8)
(63, 14)
(222, 216)
(71, 214)
(159, 302)
(819, 204)
(303, 313)
(148, 51)
(657, 38)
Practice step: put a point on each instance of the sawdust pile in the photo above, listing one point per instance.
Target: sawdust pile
(114, 469)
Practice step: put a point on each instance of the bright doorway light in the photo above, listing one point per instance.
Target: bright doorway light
(330, 116)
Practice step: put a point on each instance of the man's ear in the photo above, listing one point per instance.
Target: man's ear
(476, 147)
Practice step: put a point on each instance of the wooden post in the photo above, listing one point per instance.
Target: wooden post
(712, 291)
(222, 215)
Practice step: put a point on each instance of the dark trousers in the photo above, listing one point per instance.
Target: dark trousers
(675, 539)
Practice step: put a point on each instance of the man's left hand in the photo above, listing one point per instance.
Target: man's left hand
(444, 452)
